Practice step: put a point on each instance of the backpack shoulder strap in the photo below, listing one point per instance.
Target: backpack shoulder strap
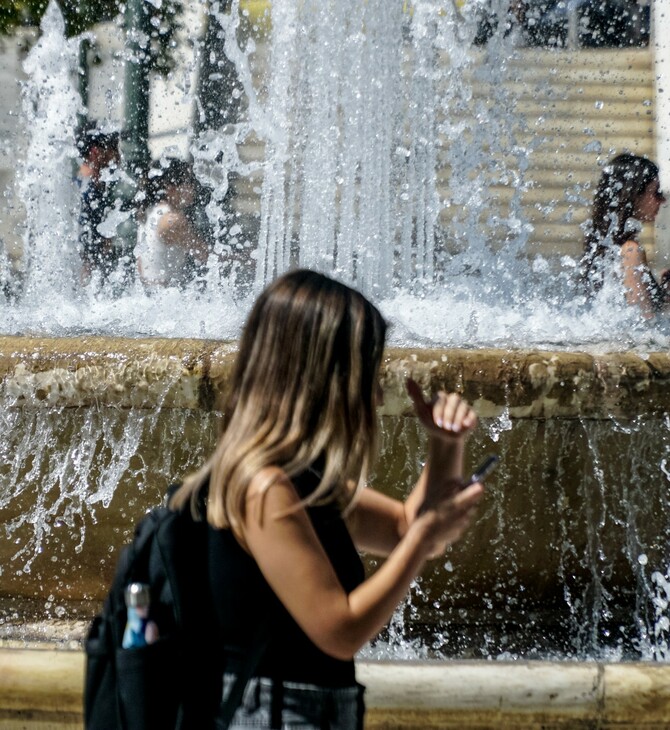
(246, 671)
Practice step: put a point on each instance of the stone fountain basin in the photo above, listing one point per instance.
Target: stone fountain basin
(542, 411)
(193, 374)
(41, 688)
(69, 378)
(58, 383)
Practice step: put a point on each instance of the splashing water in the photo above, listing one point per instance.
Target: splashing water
(661, 633)
(359, 122)
(364, 108)
(51, 103)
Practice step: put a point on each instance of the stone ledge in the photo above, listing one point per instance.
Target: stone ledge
(42, 688)
(195, 374)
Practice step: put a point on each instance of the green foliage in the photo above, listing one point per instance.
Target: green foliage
(81, 15)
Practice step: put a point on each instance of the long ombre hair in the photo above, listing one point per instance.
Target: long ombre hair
(303, 394)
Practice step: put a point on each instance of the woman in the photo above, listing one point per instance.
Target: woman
(288, 509)
(628, 195)
(171, 249)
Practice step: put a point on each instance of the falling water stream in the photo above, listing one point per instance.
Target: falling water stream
(361, 110)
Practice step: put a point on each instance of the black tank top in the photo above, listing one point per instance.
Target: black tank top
(243, 599)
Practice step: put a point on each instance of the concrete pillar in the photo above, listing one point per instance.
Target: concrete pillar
(135, 137)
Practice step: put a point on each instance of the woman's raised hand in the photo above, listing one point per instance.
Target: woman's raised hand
(447, 416)
(439, 499)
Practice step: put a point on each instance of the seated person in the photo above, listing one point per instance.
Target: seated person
(628, 195)
(171, 248)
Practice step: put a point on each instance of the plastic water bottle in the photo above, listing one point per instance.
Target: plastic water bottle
(139, 630)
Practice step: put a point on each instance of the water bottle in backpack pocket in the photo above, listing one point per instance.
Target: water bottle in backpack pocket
(140, 629)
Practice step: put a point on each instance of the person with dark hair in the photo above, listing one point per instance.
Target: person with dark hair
(628, 194)
(288, 508)
(100, 159)
(172, 248)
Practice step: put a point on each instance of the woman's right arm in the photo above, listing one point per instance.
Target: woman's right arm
(377, 522)
(293, 561)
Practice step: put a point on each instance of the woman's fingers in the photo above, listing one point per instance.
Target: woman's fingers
(447, 415)
(469, 496)
(458, 499)
(448, 411)
(460, 510)
(422, 409)
(435, 498)
(453, 516)
(465, 418)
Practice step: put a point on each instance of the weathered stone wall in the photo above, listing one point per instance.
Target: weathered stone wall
(96, 428)
(43, 689)
(193, 374)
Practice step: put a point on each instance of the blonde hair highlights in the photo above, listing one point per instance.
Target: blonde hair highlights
(303, 393)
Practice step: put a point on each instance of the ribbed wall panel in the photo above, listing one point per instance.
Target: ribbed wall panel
(584, 107)
(576, 109)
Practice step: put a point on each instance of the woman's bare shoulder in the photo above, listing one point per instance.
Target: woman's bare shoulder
(632, 252)
(268, 476)
(271, 492)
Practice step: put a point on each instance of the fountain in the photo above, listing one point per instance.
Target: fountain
(564, 581)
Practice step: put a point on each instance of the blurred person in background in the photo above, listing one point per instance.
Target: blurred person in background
(628, 195)
(97, 177)
(172, 245)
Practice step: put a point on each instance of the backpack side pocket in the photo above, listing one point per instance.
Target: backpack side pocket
(149, 691)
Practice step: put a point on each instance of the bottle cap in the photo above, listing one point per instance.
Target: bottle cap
(137, 595)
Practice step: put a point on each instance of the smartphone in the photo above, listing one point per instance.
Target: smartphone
(483, 470)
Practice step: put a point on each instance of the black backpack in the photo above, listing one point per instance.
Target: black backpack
(176, 682)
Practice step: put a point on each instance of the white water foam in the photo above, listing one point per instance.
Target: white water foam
(354, 144)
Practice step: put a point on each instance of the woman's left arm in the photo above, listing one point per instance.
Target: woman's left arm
(378, 522)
